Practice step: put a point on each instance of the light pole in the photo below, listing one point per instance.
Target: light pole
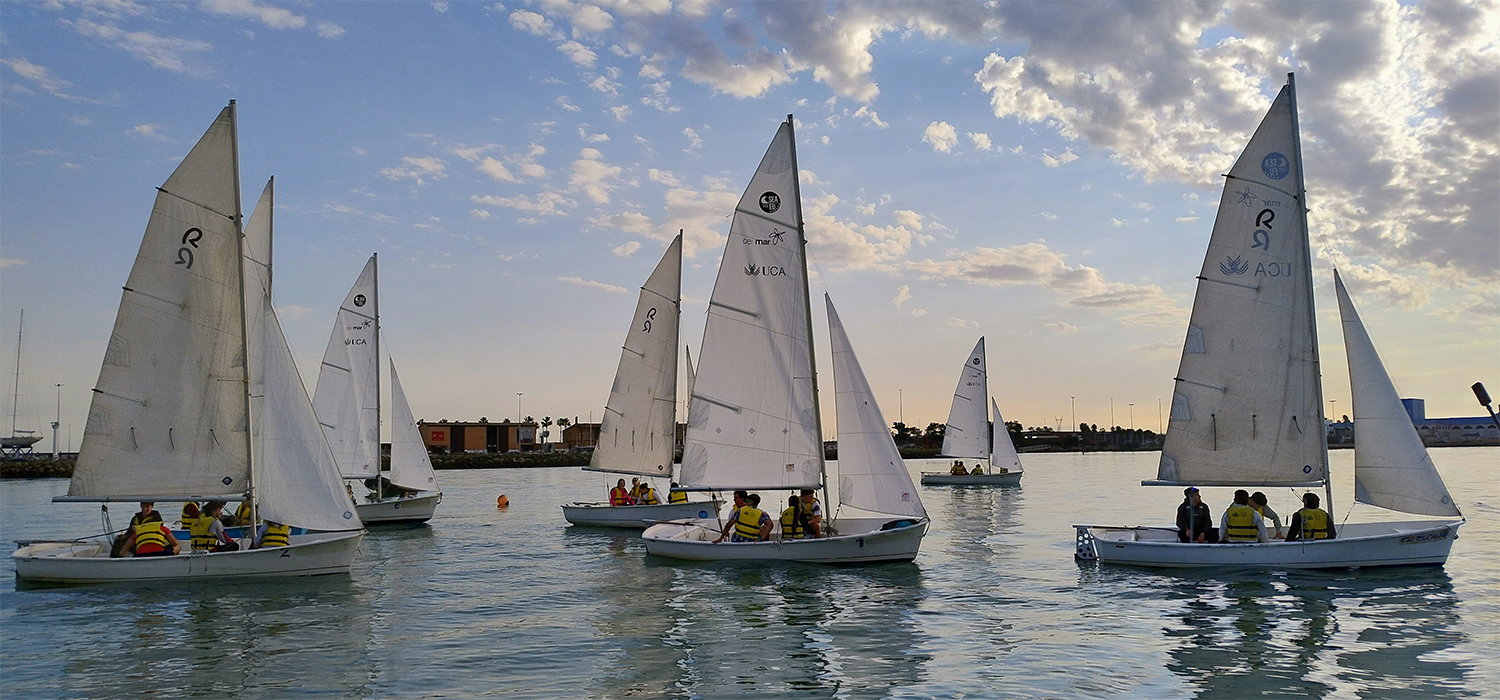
(56, 423)
(1111, 414)
(1132, 416)
(901, 406)
(1333, 410)
(521, 415)
(1073, 402)
(1158, 416)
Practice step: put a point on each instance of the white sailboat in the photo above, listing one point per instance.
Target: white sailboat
(1247, 408)
(753, 421)
(968, 435)
(199, 398)
(638, 433)
(347, 399)
(19, 442)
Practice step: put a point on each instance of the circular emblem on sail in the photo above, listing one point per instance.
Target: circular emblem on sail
(1307, 469)
(348, 515)
(770, 202)
(228, 480)
(359, 300)
(1275, 166)
(975, 361)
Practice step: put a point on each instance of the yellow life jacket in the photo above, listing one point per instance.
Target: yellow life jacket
(203, 538)
(149, 537)
(956, 470)
(277, 535)
(619, 497)
(1314, 523)
(747, 526)
(243, 512)
(190, 515)
(790, 528)
(977, 470)
(635, 491)
(648, 497)
(1240, 521)
(677, 497)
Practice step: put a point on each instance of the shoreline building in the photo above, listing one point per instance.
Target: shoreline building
(1450, 432)
(459, 437)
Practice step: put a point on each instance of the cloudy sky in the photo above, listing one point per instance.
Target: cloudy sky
(1045, 175)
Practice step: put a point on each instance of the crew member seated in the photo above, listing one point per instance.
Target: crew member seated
(676, 496)
(150, 537)
(957, 469)
(190, 515)
(812, 513)
(793, 527)
(208, 533)
(752, 525)
(618, 496)
(648, 496)
(1240, 522)
(1310, 523)
(977, 470)
(272, 534)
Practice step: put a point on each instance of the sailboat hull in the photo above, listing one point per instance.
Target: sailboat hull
(941, 479)
(1414, 543)
(312, 554)
(638, 517)
(392, 511)
(867, 544)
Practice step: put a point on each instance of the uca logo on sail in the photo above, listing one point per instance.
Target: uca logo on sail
(753, 270)
(1234, 266)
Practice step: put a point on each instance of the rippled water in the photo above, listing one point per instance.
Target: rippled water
(514, 603)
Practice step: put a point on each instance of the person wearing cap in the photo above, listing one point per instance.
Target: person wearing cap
(1194, 521)
(1240, 523)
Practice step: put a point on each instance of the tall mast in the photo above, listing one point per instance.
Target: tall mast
(812, 357)
(375, 264)
(1312, 317)
(15, 392)
(239, 227)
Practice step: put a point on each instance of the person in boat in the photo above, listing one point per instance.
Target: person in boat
(635, 489)
(977, 470)
(958, 468)
(272, 534)
(1258, 502)
(1310, 523)
(675, 494)
(753, 524)
(741, 498)
(793, 524)
(240, 518)
(1194, 521)
(1240, 522)
(208, 533)
(190, 515)
(146, 514)
(812, 513)
(618, 496)
(150, 537)
(648, 496)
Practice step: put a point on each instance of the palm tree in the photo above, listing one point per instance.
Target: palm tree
(546, 423)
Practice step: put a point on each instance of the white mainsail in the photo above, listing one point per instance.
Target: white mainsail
(638, 432)
(1247, 406)
(347, 398)
(411, 468)
(872, 476)
(967, 434)
(753, 414)
(169, 414)
(1003, 451)
(1391, 466)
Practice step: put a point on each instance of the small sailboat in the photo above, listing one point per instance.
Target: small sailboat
(1247, 408)
(638, 434)
(347, 399)
(969, 436)
(199, 399)
(19, 442)
(753, 420)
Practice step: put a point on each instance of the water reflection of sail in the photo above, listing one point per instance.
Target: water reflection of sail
(1312, 633)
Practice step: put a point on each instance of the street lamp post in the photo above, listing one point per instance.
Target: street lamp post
(56, 423)
(520, 415)
(1132, 416)
(1073, 402)
(901, 406)
(1111, 414)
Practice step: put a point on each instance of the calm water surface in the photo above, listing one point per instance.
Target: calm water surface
(514, 603)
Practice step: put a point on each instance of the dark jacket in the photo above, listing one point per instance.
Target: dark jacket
(1193, 521)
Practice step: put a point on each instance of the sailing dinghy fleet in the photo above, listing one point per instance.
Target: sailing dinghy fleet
(199, 399)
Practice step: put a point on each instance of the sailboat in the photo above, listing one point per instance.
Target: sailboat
(20, 441)
(753, 417)
(1247, 408)
(968, 435)
(638, 434)
(347, 399)
(198, 397)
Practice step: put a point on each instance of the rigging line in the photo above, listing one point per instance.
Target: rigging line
(1293, 195)
(1253, 288)
(196, 204)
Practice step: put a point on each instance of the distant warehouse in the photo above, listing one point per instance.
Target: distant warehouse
(483, 436)
(1449, 432)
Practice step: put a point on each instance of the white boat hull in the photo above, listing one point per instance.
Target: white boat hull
(1358, 545)
(941, 479)
(389, 511)
(311, 554)
(638, 517)
(863, 542)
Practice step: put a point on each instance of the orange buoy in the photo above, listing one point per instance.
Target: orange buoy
(502, 501)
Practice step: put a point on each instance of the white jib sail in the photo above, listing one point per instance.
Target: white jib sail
(967, 434)
(1247, 406)
(752, 418)
(411, 468)
(872, 476)
(638, 432)
(1003, 456)
(168, 415)
(258, 232)
(296, 478)
(688, 357)
(1391, 466)
(347, 396)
